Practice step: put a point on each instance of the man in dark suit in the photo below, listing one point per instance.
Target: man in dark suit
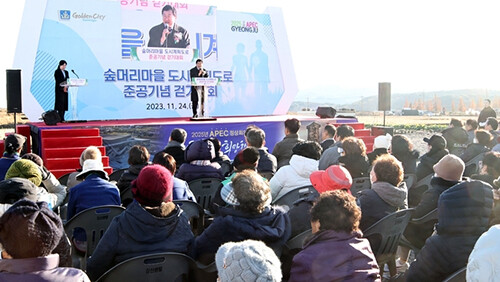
(197, 71)
(61, 75)
(168, 34)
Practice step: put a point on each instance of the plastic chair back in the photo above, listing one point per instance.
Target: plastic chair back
(360, 184)
(410, 180)
(472, 166)
(194, 213)
(64, 179)
(390, 229)
(458, 276)
(164, 267)
(204, 190)
(417, 190)
(95, 222)
(298, 241)
(292, 196)
(115, 176)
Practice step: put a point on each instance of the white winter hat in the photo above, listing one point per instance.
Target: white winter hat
(248, 260)
(91, 165)
(484, 261)
(382, 141)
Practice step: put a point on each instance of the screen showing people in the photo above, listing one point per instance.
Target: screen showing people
(168, 33)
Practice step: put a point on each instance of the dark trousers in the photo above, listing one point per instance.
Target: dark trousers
(195, 107)
(61, 114)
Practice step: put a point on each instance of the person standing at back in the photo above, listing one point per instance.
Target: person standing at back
(332, 154)
(283, 149)
(328, 134)
(175, 146)
(485, 113)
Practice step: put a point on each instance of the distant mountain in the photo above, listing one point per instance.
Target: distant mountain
(429, 99)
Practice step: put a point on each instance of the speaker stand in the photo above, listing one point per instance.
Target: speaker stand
(384, 118)
(15, 122)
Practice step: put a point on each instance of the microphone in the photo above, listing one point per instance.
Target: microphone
(75, 73)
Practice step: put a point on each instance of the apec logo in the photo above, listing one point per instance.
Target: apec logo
(64, 14)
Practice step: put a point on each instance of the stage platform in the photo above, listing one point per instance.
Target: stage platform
(61, 145)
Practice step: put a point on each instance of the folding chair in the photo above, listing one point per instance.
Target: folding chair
(64, 179)
(472, 166)
(164, 267)
(410, 180)
(458, 276)
(115, 176)
(359, 184)
(195, 214)
(417, 190)
(204, 190)
(95, 222)
(387, 233)
(431, 216)
(292, 196)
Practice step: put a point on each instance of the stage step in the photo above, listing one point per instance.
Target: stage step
(60, 172)
(355, 125)
(362, 132)
(54, 153)
(69, 163)
(70, 132)
(71, 142)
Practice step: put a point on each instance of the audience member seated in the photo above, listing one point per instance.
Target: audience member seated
(484, 260)
(247, 158)
(138, 158)
(331, 155)
(328, 136)
(53, 193)
(198, 164)
(181, 189)
(354, 157)
(13, 146)
(402, 149)
(490, 168)
(90, 153)
(471, 127)
(15, 189)
(333, 178)
(150, 224)
(304, 161)
(256, 137)
(251, 218)
(437, 150)
(247, 260)
(283, 149)
(447, 173)
(220, 158)
(336, 251)
(94, 190)
(176, 147)
(387, 194)
(463, 214)
(492, 126)
(381, 145)
(30, 234)
(456, 137)
(483, 138)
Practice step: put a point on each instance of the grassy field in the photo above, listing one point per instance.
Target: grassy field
(411, 120)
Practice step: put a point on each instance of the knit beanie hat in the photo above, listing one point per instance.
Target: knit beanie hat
(450, 168)
(382, 141)
(29, 230)
(246, 158)
(335, 177)
(484, 260)
(153, 186)
(25, 169)
(14, 189)
(248, 260)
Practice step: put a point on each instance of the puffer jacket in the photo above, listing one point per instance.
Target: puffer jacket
(463, 215)
(272, 226)
(292, 176)
(335, 256)
(427, 162)
(128, 176)
(201, 150)
(137, 232)
(456, 140)
(408, 159)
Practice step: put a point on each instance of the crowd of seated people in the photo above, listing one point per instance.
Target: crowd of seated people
(246, 232)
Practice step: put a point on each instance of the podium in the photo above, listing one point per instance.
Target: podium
(73, 85)
(201, 84)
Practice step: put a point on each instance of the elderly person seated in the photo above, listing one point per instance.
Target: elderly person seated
(251, 218)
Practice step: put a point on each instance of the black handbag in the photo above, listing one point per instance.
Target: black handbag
(51, 117)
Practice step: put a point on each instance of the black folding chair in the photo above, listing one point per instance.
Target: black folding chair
(204, 190)
(384, 236)
(292, 196)
(360, 184)
(164, 267)
(115, 176)
(64, 179)
(432, 216)
(195, 214)
(472, 166)
(95, 222)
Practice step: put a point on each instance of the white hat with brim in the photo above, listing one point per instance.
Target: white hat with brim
(90, 166)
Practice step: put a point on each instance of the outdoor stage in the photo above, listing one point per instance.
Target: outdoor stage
(60, 146)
